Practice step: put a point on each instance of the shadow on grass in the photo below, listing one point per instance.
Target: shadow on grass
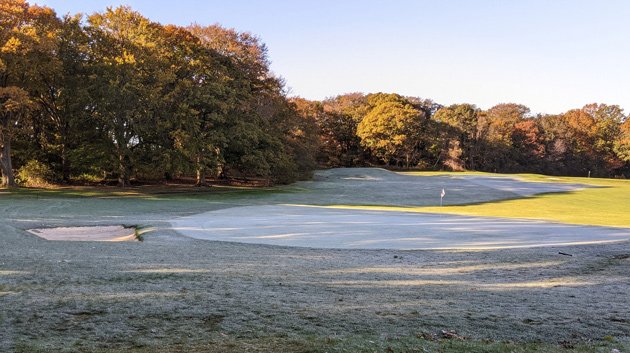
(149, 192)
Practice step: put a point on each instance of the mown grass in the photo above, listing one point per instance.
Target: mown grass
(342, 344)
(606, 204)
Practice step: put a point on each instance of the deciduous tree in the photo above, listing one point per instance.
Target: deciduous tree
(393, 130)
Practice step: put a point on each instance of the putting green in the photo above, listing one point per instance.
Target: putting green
(322, 227)
(607, 203)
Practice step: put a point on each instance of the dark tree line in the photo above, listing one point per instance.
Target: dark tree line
(115, 96)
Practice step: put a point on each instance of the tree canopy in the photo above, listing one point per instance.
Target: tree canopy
(114, 96)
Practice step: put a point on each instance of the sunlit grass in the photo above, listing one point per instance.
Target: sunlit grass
(437, 173)
(607, 204)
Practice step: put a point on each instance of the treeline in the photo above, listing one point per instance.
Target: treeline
(409, 132)
(116, 96)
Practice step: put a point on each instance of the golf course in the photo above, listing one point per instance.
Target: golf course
(357, 176)
(353, 260)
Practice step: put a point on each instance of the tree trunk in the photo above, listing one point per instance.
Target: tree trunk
(123, 171)
(65, 168)
(6, 167)
(124, 163)
(201, 173)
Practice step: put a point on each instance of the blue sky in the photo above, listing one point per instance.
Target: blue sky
(551, 55)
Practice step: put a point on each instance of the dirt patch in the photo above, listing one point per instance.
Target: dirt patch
(98, 233)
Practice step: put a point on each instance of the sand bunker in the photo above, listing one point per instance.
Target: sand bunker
(100, 233)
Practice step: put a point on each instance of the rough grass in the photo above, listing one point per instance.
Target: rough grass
(421, 343)
(607, 204)
(172, 294)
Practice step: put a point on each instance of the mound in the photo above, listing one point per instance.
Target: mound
(356, 174)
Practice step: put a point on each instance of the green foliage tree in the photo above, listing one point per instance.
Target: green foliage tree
(262, 123)
(198, 99)
(61, 92)
(340, 145)
(127, 86)
(304, 138)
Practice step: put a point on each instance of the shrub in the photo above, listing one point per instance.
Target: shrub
(35, 174)
(88, 178)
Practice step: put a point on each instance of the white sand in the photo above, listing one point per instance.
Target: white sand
(102, 233)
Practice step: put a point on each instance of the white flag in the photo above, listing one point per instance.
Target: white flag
(443, 193)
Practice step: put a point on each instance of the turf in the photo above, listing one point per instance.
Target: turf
(352, 344)
(173, 294)
(606, 204)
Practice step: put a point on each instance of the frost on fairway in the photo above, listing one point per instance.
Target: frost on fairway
(319, 227)
(96, 233)
(375, 186)
(283, 222)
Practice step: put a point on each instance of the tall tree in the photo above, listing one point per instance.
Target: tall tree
(393, 130)
(340, 145)
(21, 43)
(126, 90)
(494, 135)
(528, 144)
(607, 130)
(201, 99)
(261, 122)
(462, 121)
(15, 104)
(622, 145)
(61, 91)
(304, 136)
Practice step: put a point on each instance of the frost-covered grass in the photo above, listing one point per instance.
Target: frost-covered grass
(174, 294)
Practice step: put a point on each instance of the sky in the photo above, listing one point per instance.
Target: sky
(551, 55)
